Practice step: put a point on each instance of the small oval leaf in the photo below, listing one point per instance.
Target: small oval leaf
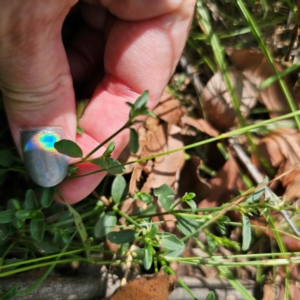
(7, 216)
(172, 243)
(119, 189)
(68, 148)
(210, 296)
(110, 165)
(187, 225)
(30, 201)
(105, 224)
(13, 204)
(134, 141)
(47, 196)
(246, 232)
(37, 229)
(110, 148)
(24, 214)
(122, 237)
(165, 196)
(148, 257)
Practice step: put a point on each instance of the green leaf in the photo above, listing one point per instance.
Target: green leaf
(79, 130)
(173, 243)
(148, 257)
(105, 224)
(110, 148)
(142, 100)
(17, 223)
(30, 201)
(13, 204)
(25, 214)
(222, 227)
(187, 225)
(188, 196)
(192, 204)
(47, 196)
(37, 229)
(153, 230)
(110, 165)
(68, 148)
(211, 242)
(66, 237)
(7, 216)
(11, 293)
(256, 195)
(144, 197)
(165, 196)
(246, 232)
(134, 141)
(81, 105)
(119, 189)
(39, 215)
(150, 209)
(210, 296)
(139, 107)
(220, 222)
(81, 229)
(122, 237)
(224, 241)
(4, 231)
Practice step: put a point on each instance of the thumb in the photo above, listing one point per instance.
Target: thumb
(36, 84)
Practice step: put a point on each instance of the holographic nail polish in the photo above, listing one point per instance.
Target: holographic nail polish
(45, 165)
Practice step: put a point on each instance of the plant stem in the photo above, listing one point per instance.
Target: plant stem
(194, 145)
(127, 125)
(129, 219)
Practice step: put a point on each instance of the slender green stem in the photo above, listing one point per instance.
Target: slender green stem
(232, 264)
(129, 219)
(127, 125)
(225, 271)
(47, 273)
(204, 142)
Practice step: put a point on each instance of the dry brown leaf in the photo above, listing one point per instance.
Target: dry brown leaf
(200, 124)
(218, 103)
(292, 192)
(269, 292)
(281, 149)
(154, 287)
(169, 109)
(190, 181)
(164, 168)
(255, 66)
(225, 185)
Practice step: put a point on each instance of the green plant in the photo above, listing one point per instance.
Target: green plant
(37, 232)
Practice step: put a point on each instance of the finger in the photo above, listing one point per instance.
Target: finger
(34, 73)
(139, 55)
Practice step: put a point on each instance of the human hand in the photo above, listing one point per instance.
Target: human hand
(125, 47)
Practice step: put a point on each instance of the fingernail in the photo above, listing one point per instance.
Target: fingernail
(45, 165)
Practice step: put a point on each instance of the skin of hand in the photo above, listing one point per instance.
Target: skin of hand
(124, 48)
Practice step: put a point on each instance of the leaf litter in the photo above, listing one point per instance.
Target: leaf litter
(217, 178)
